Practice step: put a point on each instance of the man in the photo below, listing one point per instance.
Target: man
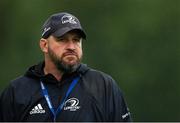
(61, 88)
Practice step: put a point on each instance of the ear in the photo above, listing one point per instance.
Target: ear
(43, 43)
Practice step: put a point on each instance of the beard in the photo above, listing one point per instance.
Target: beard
(62, 65)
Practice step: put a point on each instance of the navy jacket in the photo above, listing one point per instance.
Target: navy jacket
(96, 97)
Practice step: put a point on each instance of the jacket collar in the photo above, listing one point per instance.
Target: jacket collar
(36, 72)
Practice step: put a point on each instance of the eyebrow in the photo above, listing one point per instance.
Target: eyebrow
(74, 36)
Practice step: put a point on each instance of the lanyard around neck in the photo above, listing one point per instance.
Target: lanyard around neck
(60, 107)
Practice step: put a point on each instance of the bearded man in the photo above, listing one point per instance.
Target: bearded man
(61, 88)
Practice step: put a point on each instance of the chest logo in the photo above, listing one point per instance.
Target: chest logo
(72, 104)
(37, 110)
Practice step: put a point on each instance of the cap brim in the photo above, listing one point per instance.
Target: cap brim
(62, 31)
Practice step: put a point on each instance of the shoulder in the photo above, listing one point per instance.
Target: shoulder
(93, 75)
(100, 78)
(100, 84)
(21, 86)
(23, 82)
(96, 74)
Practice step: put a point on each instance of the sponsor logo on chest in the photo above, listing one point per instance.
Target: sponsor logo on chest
(37, 110)
(72, 104)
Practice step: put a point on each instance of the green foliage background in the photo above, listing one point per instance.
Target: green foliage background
(137, 42)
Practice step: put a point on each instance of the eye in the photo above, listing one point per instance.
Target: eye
(60, 39)
(77, 39)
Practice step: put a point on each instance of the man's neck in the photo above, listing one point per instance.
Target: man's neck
(51, 68)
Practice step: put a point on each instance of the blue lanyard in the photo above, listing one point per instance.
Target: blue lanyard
(59, 109)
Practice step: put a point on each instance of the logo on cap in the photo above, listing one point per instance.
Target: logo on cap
(68, 19)
(45, 30)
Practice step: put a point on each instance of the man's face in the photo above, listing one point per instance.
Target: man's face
(65, 51)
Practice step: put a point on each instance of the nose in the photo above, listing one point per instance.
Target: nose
(70, 45)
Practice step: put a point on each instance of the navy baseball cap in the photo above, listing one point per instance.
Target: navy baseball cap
(60, 23)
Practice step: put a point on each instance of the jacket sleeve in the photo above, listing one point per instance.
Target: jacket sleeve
(118, 110)
(6, 105)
